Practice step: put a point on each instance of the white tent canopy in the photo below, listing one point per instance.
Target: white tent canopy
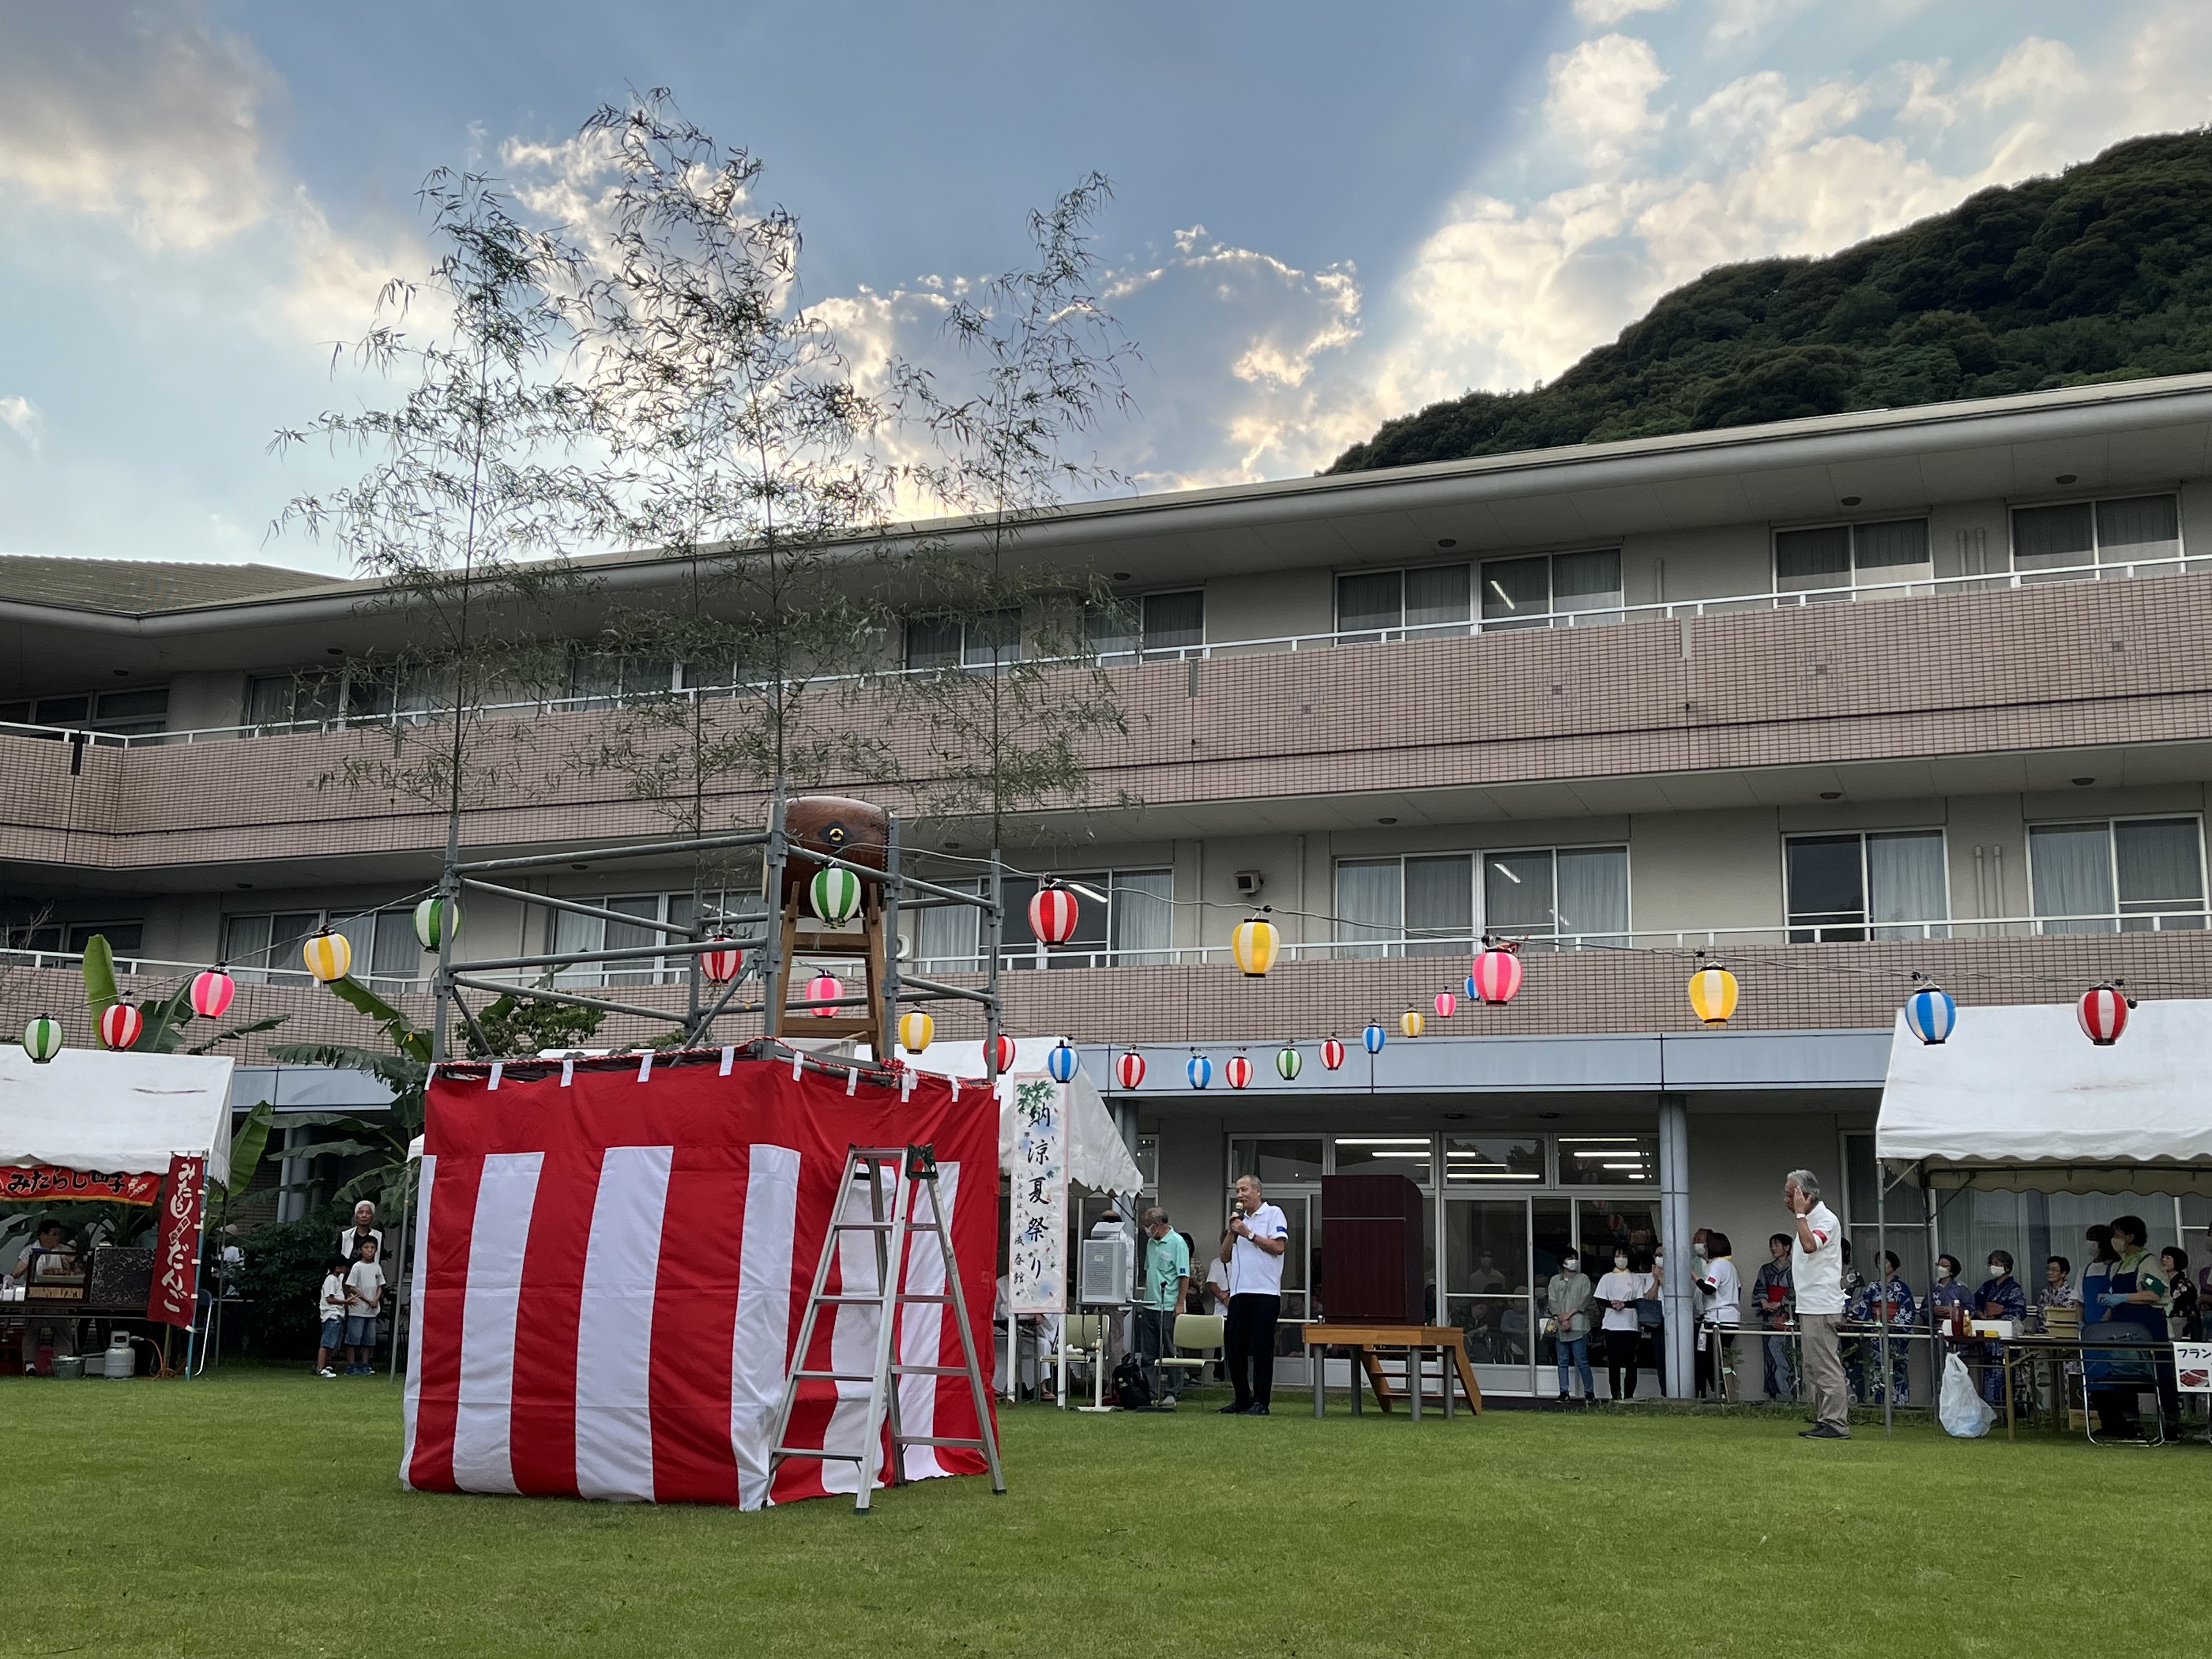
(2019, 1100)
(115, 1114)
(1097, 1157)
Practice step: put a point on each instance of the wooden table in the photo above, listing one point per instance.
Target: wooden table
(1365, 1341)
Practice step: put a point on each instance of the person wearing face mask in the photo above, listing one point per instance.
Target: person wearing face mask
(1720, 1308)
(1566, 1298)
(1620, 1292)
(1999, 1297)
(1771, 1293)
(1889, 1302)
(2134, 1298)
(1946, 1296)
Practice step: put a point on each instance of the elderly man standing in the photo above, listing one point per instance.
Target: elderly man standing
(1816, 1269)
(1259, 1235)
(1166, 1282)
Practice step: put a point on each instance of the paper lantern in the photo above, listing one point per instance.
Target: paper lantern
(824, 988)
(1289, 1062)
(1255, 944)
(915, 1031)
(329, 956)
(436, 919)
(1332, 1055)
(1129, 1070)
(1198, 1071)
(1930, 1014)
(1713, 994)
(1237, 1071)
(212, 992)
(1496, 978)
(834, 895)
(1447, 1004)
(1053, 915)
(1372, 1036)
(121, 1025)
(42, 1038)
(721, 965)
(1411, 1023)
(1063, 1063)
(2104, 1015)
(1005, 1052)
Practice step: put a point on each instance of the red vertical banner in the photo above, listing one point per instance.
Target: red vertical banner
(177, 1244)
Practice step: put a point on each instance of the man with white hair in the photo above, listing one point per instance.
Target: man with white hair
(1816, 1269)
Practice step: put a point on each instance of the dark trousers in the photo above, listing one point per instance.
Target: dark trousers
(1249, 1340)
(1156, 1342)
(1620, 1352)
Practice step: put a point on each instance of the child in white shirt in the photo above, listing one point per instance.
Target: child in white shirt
(364, 1289)
(331, 1313)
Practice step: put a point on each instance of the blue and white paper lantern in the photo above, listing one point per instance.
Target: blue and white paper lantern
(1372, 1036)
(1930, 1014)
(1198, 1071)
(1063, 1063)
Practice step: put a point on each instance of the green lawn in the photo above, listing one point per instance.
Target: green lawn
(259, 1514)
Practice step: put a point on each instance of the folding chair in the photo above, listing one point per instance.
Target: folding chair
(1199, 1331)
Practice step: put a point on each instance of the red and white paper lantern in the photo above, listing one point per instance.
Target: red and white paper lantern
(1006, 1052)
(212, 992)
(1237, 1071)
(1332, 1055)
(2104, 1015)
(121, 1025)
(1129, 1070)
(1053, 915)
(1447, 1004)
(824, 988)
(1496, 978)
(722, 965)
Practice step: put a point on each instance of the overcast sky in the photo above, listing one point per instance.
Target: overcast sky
(1325, 214)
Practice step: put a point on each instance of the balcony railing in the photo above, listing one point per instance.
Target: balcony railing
(1610, 616)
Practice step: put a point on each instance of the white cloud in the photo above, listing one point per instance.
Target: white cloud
(1735, 20)
(109, 110)
(1598, 103)
(21, 416)
(1606, 12)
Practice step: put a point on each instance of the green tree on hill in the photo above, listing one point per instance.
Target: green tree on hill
(2103, 273)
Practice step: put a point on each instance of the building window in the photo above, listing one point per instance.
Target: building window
(1844, 555)
(1167, 625)
(1546, 590)
(2117, 875)
(124, 713)
(1124, 918)
(309, 697)
(588, 935)
(2071, 536)
(1494, 1160)
(1439, 904)
(1552, 590)
(598, 680)
(1608, 1160)
(1890, 884)
(986, 642)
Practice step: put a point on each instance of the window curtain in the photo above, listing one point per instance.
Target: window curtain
(1436, 598)
(1587, 581)
(1370, 905)
(949, 941)
(1893, 551)
(1594, 894)
(1807, 559)
(2162, 870)
(2047, 537)
(2070, 875)
(1905, 890)
(1439, 905)
(577, 933)
(1175, 621)
(1370, 601)
(1143, 916)
(2138, 527)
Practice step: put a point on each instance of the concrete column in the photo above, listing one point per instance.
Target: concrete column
(1674, 1229)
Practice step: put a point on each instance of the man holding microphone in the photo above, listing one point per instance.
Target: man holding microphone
(1259, 1238)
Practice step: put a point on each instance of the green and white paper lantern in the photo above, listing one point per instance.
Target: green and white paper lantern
(1288, 1063)
(834, 895)
(436, 919)
(42, 1038)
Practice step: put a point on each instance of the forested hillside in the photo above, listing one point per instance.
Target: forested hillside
(2103, 273)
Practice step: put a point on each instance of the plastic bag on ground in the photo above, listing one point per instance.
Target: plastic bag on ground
(1962, 1410)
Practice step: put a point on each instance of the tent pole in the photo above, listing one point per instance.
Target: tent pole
(400, 1277)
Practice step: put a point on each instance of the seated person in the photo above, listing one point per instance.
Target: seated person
(2057, 1288)
(47, 1256)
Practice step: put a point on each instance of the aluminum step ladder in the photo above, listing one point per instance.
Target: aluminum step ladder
(897, 1179)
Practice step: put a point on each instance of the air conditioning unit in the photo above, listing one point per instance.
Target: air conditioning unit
(1248, 883)
(1108, 1269)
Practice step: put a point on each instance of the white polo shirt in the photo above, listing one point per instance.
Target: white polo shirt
(1253, 1271)
(1817, 1274)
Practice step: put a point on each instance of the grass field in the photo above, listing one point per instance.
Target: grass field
(259, 1514)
